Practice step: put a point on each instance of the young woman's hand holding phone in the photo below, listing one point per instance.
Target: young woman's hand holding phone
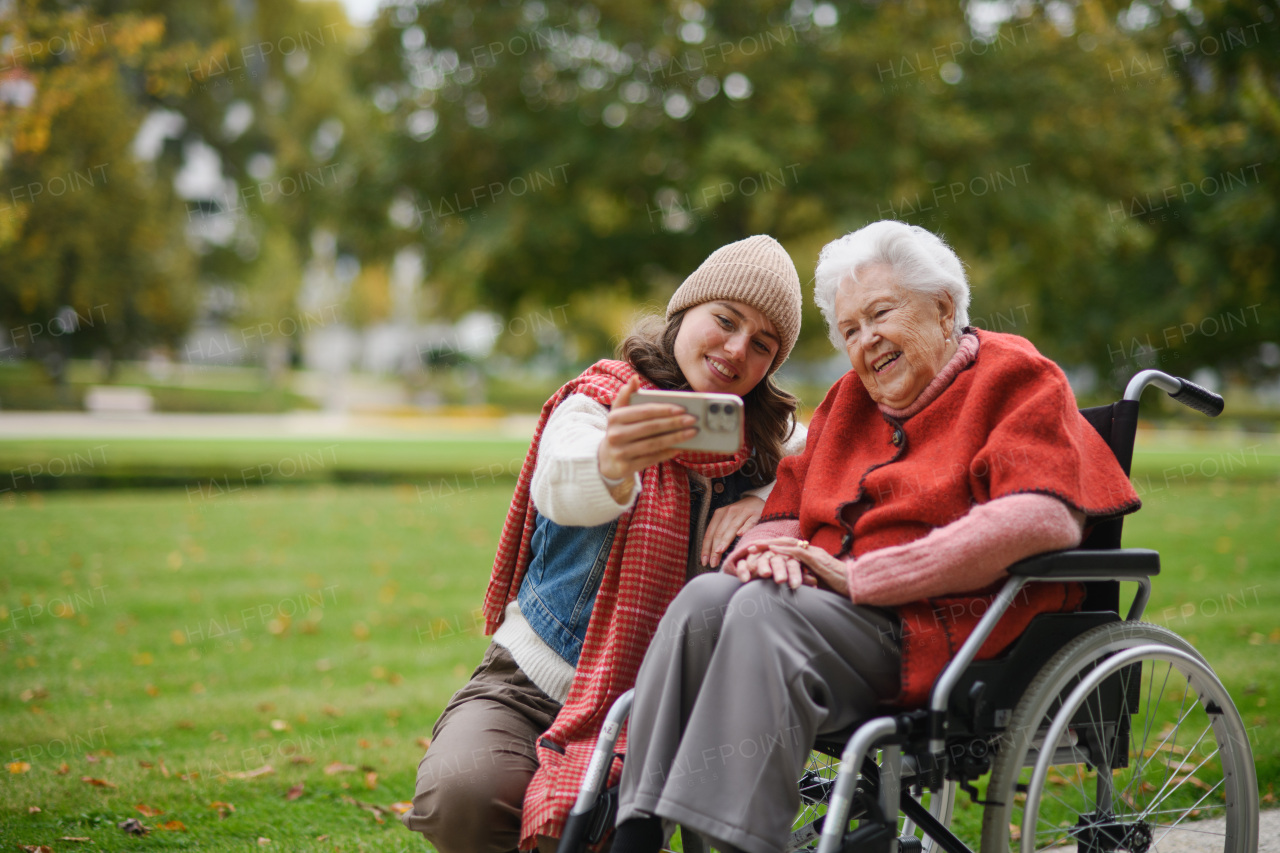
(639, 436)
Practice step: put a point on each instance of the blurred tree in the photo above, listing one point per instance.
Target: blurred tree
(1208, 272)
(1107, 169)
(556, 148)
(91, 249)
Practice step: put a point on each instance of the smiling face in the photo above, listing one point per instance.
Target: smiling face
(725, 346)
(896, 338)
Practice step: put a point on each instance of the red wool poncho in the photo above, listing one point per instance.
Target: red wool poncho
(1007, 424)
(646, 568)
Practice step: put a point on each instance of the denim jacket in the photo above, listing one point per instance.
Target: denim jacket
(560, 586)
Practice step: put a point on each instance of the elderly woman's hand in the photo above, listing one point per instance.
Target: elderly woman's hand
(727, 524)
(823, 566)
(790, 561)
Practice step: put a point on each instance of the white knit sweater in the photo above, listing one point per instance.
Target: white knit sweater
(567, 488)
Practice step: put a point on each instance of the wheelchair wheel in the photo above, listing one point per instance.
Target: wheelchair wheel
(815, 790)
(1149, 753)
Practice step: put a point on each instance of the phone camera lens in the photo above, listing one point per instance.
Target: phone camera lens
(714, 408)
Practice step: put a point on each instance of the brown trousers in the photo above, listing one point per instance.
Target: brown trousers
(472, 780)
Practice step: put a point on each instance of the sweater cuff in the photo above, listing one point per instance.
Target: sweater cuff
(549, 672)
(589, 501)
(765, 530)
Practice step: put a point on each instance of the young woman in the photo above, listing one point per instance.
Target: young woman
(608, 521)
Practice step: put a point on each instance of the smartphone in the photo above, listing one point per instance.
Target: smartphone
(720, 420)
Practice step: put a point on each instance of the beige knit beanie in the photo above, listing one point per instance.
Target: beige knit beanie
(756, 271)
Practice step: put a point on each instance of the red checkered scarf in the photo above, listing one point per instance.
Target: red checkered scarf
(646, 568)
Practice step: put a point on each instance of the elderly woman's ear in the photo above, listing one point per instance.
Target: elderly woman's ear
(947, 314)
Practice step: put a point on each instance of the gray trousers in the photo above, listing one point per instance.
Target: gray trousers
(734, 688)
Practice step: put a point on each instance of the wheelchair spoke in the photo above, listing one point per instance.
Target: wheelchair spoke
(1139, 775)
(1183, 816)
(1174, 729)
(1191, 773)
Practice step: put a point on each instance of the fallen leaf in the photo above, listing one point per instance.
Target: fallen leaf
(264, 770)
(364, 744)
(63, 769)
(371, 779)
(378, 812)
(339, 767)
(1192, 781)
(303, 759)
(97, 783)
(37, 809)
(402, 808)
(322, 838)
(330, 711)
(18, 767)
(37, 848)
(92, 759)
(145, 764)
(163, 769)
(75, 838)
(133, 826)
(424, 742)
(173, 826)
(279, 725)
(295, 792)
(1015, 832)
(263, 842)
(147, 811)
(222, 808)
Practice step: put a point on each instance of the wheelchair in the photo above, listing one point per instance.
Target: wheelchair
(1092, 732)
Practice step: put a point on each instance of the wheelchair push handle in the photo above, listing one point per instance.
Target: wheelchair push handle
(1184, 391)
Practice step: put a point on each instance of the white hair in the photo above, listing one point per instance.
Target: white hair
(919, 259)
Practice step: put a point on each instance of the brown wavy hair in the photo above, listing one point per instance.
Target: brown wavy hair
(770, 412)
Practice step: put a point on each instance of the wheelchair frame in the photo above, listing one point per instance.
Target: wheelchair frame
(914, 744)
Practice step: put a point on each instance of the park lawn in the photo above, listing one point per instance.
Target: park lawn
(174, 648)
(463, 457)
(208, 467)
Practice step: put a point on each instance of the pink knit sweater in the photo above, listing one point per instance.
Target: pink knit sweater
(965, 555)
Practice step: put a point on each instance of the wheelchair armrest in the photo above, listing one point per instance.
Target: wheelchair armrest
(1116, 564)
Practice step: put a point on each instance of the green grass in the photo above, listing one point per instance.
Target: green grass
(463, 458)
(212, 467)
(141, 626)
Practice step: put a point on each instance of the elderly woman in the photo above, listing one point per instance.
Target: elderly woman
(943, 457)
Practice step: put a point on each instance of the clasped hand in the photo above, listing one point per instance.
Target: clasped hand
(793, 562)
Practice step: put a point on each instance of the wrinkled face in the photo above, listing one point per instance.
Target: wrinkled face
(896, 338)
(725, 346)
